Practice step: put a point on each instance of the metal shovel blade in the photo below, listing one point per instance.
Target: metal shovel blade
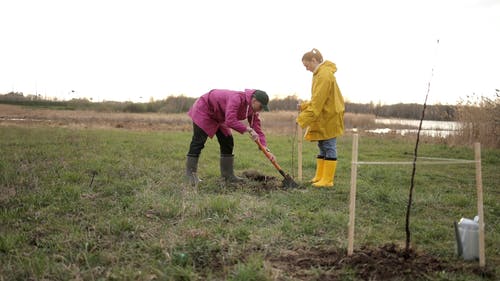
(288, 182)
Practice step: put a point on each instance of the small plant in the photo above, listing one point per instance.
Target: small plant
(201, 252)
(220, 207)
(252, 270)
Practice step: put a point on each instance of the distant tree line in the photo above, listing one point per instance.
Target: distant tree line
(179, 104)
(405, 110)
(171, 104)
(400, 110)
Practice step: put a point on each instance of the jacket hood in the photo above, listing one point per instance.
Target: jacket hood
(328, 65)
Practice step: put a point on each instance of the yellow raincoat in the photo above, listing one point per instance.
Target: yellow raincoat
(324, 114)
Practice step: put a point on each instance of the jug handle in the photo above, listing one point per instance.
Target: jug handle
(459, 241)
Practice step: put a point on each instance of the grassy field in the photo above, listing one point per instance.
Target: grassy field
(111, 204)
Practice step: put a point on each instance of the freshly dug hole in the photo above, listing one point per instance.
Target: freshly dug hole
(261, 182)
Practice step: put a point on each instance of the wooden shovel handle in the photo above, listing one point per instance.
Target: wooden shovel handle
(261, 147)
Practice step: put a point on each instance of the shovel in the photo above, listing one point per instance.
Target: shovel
(288, 182)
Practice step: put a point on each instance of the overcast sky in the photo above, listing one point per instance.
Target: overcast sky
(133, 50)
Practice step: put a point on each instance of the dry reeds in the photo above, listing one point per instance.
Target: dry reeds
(480, 122)
(359, 121)
(83, 118)
(283, 122)
(275, 122)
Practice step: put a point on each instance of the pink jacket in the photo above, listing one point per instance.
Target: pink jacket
(223, 109)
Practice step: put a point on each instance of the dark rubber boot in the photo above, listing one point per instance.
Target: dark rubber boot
(191, 170)
(226, 169)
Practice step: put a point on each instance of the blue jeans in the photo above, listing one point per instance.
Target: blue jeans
(328, 149)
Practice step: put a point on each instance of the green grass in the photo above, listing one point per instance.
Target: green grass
(138, 220)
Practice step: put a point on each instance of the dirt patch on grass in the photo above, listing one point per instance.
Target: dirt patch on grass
(261, 182)
(388, 262)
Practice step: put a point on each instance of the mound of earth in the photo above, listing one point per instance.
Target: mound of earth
(388, 262)
(261, 182)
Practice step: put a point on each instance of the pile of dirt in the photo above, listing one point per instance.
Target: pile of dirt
(388, 262)
(261, 182)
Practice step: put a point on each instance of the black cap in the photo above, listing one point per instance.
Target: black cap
(263, 98)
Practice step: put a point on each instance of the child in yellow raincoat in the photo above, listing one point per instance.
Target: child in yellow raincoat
(323, 116)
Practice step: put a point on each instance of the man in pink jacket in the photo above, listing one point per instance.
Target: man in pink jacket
(216, 113)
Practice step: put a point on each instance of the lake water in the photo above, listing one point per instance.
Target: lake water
(441, 129)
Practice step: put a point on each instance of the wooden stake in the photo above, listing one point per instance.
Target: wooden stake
(352, 204)
(299, 153)
(479, 184)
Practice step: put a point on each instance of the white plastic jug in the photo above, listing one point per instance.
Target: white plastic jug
(467, 232)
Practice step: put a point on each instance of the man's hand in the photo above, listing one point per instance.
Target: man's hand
(253, 135)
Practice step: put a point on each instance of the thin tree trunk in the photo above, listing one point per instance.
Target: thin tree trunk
(412, 184)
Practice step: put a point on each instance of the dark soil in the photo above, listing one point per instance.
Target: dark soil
(261, 182)
(388, 262)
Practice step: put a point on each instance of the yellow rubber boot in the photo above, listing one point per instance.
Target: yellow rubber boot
(319, 170)
(328, 174)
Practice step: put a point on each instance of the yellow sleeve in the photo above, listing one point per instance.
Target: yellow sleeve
(304, 105)
(320, 91)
